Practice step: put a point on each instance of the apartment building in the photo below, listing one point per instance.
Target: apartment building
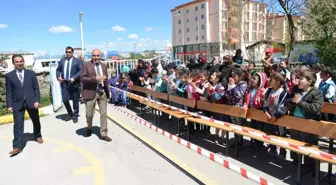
(213, 27)
(277, 28)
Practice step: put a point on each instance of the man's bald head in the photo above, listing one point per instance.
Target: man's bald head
(81, 57)
(96, 55)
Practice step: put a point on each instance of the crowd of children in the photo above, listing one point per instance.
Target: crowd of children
(277, 91)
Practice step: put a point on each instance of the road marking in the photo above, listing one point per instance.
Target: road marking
(184, 166)
(97, 167)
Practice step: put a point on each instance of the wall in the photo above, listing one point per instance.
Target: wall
(42, 78)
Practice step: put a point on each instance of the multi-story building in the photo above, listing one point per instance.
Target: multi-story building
(277, 28)
(211, 27)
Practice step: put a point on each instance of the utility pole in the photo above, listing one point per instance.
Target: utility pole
(134, 52)
(81, 30)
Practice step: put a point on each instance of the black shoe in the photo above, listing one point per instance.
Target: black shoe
(89, 132)
(68, 118)
(75, 120)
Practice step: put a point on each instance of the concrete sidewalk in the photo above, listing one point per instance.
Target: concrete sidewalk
(68, 157)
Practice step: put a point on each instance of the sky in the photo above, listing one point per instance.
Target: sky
(44, 26)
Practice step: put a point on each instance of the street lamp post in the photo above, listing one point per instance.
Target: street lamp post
(81, 30)
(134, 52)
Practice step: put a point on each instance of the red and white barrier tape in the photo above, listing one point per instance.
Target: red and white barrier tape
(214, 157)
(322, 154)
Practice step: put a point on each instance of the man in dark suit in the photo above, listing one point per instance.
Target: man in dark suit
(22, 93)
(68, 73)
(95, 90)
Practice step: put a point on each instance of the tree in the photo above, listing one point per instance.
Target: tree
(149, 53)
(320, 26)
(290, 8)
(133, 55)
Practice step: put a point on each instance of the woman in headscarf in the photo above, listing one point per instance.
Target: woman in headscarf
(114, 82)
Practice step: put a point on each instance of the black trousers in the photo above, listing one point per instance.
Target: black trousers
(71, 92)
(18, 127)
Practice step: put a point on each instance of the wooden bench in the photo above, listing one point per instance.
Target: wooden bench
(176, 113)
(215, 108)
(320, 128)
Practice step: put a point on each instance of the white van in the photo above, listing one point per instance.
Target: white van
(42, 65)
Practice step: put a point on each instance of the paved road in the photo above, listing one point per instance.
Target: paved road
(68, 158)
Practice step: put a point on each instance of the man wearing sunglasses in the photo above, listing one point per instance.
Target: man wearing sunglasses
(95, 90)
(68, 74)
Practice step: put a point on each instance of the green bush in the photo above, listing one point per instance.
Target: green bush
(45, 101)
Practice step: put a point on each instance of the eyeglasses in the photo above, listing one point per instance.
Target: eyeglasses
(68, 52)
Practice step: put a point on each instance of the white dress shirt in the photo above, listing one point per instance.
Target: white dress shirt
(66, 67)
(101, 71)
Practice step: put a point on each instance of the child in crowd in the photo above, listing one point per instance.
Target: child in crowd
(156, 81)
(234, 96)
(145, 81)
(254, 98)
(181, 88)
(171, 75)
(201, 89)
(306, 104)
(193, 83)
(328, 89)
(164, 84)
(235, 92)
(274, 108)
(216, 93)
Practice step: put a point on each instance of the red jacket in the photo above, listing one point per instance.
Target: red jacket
(259, 97)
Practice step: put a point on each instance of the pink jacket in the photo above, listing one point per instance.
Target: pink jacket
(192, 92)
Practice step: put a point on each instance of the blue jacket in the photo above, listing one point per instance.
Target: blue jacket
(76, 68)
(16, 94)
(324, 86)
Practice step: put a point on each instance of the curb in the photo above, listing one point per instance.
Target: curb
(42, 112)
(201, 151)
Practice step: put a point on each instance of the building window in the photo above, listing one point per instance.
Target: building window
(188, 39)
(196, 38)
(179, 12)
(179, 31)
(246, 26)
(224, 26)
(196, 28)
(202, 27)
(180, 39)
(254, 27)
(246, 36)
(187, 20)
(187, 11)
(203, 37)
(255, 7)
(196, 8)
(254, 36)
(187, 30)
(196, 18)
(179, 21)
(202, 6)
(247, 16)
(202, 16)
